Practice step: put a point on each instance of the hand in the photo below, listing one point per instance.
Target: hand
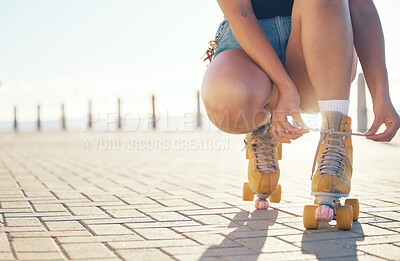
(287, 105)
(386, 114)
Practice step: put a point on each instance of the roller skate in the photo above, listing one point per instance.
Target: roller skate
(332, 179)
(263, 152)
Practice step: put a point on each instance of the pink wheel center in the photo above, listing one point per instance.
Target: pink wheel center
(324, 213)
(261, 204)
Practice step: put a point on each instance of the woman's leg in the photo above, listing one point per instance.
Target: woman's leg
(320, 56)
(235, 92)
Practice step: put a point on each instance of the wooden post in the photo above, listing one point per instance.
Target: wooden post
(119, 114)
(63, 125)
(154, 112)
(38, 118)
(15, 119)
(361, 105)
(198, 112)
(89, 116)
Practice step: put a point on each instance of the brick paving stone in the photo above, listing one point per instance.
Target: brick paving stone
(64, 225)
(206, 238)
(210, 228)
(262, 233)
(389, 224)
(87, 251)
(152, 244)
(214, 220)
(49, 207)
(371, 230)
(316, 236)
(39, 256)
(110, 229)
(21, 229)
(4, 244)
(89, 238)
(211, 211)
(175, 202)
(15, 204)
(158, 233)
(388, 251)
(168, 216)
(137, 200)
(326, 249)
(35, 215)
(152, 209)
(23, 222)
(88, 211)
(371, 240)
(143, 255)
(101, 197)
(47, 234)
(100, 221)
(34, 245)
(268, 244)
(298, 255)
(6, 256)
(198, 256)
(124, 213)
(209, 251)
(154, 224)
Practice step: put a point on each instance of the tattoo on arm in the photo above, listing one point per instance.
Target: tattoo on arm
(244, 14)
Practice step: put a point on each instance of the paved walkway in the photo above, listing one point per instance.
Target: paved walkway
(162, 196)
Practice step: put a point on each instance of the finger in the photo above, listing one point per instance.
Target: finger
(290, 128)
(288, 135)
(275, 133)
(278, 134)
(299, 121)
(278, 138)
(374, 128)
(387, 135)
(284, 134)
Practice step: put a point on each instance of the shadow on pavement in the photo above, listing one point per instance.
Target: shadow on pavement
(251, 232)
(328, 242)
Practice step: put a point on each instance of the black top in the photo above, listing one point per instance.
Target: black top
(270, 8)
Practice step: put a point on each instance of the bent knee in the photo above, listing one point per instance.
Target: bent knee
(233, 108)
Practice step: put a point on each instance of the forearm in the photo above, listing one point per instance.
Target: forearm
(253, 40)
(370, 47)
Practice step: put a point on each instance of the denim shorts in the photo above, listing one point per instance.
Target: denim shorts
(276, 29)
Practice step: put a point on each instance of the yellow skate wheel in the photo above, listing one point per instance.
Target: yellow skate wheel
(309, 220)
(276, 196)
(344, 217)
(279, 151)
(248, 194)
(353, 202)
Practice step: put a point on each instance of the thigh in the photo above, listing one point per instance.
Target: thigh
(233, 75)
(235, 83)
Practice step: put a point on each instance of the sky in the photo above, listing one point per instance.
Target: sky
(70, 51)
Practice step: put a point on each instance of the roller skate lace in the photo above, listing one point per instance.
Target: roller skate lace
(332, 159)
(263, 144)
